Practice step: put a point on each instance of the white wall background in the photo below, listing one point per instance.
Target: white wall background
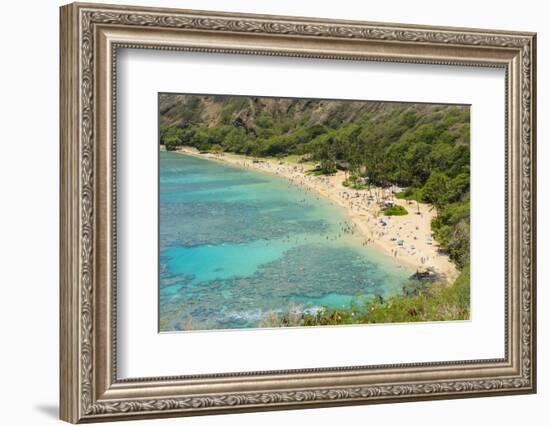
(29, 170)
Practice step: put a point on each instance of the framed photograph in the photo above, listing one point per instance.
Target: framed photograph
(266, 212)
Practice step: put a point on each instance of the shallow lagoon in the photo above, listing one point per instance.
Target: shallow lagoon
(236, 243)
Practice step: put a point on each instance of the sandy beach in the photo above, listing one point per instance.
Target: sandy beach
(406, 238)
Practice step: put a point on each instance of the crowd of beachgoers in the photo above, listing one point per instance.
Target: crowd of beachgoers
(407, 238)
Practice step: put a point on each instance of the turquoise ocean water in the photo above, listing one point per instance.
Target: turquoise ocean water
(236, 243)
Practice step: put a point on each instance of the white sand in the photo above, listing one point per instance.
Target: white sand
(418, 249)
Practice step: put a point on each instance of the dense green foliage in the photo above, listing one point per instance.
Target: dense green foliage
(410, 193)
(427, 303)
(353, 182)
(418, 303)
(395, 210)
(422, 147)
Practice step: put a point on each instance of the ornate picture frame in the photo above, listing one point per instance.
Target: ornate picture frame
(90, 37)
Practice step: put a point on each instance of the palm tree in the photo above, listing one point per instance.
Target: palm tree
(415, 186)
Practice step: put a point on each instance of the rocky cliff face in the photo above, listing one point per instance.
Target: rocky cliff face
(215, 110)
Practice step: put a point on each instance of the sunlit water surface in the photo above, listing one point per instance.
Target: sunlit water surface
(236, 243)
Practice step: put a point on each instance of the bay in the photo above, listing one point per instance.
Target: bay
(237, 243)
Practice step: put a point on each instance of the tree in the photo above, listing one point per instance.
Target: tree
(436, 188)
(458, 187)
(171, 143)
(264, 120)
(216, 148)
(328, 166)
(199, 138)
(452, 230)
(418, 161)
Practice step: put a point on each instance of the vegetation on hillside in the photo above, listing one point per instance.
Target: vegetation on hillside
(419, 302)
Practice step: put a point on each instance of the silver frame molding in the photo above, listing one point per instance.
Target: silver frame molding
(90, 37)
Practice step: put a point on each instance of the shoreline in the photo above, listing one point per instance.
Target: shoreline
(418, 250)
